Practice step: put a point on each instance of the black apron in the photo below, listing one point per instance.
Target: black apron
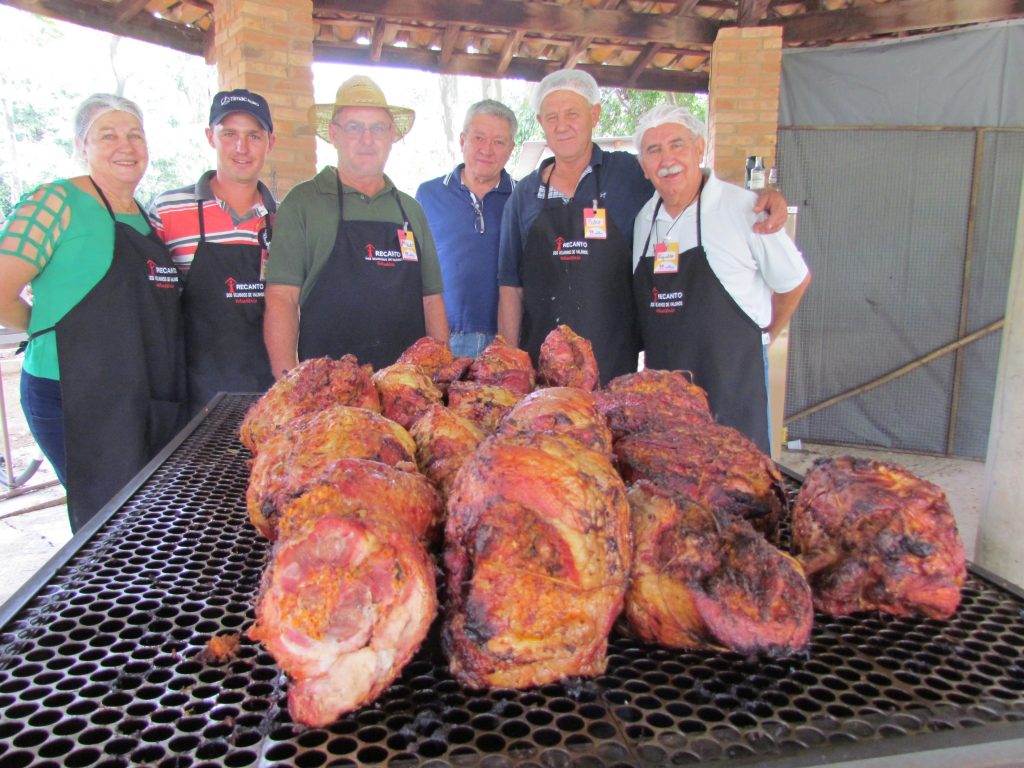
(368, 297)
(222, 302)
(689, 322)
(122, 370)
(583, 283)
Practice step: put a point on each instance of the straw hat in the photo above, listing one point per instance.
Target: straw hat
(359, 91)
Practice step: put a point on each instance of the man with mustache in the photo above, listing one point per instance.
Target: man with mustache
(710, 293)
(567, 230)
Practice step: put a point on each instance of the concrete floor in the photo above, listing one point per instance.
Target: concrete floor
(34, 523)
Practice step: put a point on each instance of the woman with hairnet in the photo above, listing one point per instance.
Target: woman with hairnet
(103, 382)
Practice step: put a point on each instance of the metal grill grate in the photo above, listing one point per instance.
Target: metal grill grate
(103, 668)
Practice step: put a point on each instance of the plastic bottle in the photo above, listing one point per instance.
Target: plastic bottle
(749, 168)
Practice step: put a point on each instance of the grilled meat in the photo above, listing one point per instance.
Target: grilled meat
(444, 440)
(704, 579)
(345, 603)
(537, 555)
(563, 411)
(567, 360)
(406, 391)
(436, 360)
(710, 464)
(503, 365)
(652, 400)
(303, 452)
(483, 404)
(310, 387)
(872, 536)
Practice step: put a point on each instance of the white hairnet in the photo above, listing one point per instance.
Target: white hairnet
(574, 80)
(99, 104)
(666, 113)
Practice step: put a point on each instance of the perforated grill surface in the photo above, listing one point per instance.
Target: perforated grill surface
(103, 666)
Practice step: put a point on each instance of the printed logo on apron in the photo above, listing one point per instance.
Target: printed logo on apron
(666, 302)
(570, 250)
(243, 293)
(162, 276)
(382, 257)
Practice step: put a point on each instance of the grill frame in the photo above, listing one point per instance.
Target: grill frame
(99, 667)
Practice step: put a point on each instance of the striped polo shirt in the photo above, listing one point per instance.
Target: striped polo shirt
(175, 219)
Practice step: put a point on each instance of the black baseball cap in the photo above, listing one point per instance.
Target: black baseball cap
(241, 100)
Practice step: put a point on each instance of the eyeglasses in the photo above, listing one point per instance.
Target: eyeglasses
(355, 130)
(478, 222)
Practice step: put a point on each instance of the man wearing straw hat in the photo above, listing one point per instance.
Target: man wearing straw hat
(353, 268)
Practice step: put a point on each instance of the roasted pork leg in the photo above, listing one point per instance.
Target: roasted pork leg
(703, 579)
(872, 536)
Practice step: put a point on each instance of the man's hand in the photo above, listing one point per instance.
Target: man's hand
(771, 201)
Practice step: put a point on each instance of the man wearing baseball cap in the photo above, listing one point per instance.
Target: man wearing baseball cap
(353, 267)
(565, 254)
(218, 232)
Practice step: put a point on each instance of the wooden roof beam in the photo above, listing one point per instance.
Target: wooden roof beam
(554, 20)
(101, 16)
(577, 50)
(508, 51)
(750, 13)
(377, 39)
(528, 69)
(448, 41)
(128, 9)
(637, 69)
(895, 16)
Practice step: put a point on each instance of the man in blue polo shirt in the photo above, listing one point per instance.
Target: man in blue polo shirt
(464, 212)
(566, 251)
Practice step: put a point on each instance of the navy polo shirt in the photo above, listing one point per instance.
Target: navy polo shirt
(468, 252)
(624, 191)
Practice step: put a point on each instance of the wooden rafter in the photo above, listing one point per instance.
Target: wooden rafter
(377, 40)
(895, 16)
(102, 16)
(749, 13)
(519, 67)
(448, 42)
(576, 51)
(508, 51)
(642, 61)
(556, 20)
(128, 9)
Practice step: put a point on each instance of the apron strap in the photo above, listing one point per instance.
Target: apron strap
(202, 222)
(341, 208)
(596, 170)
(40, 333)
(106, 202)
(654, 220)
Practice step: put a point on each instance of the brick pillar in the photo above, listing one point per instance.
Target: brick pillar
(743, 104)
(267, 47)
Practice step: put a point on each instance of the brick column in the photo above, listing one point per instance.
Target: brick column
(267, 47)
(743, 104)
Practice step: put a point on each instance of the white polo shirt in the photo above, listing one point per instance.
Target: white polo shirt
(751, 267)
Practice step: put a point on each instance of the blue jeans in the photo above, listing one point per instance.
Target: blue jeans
(44, 412)
(469, 344)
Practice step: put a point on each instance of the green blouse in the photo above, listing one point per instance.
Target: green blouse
(68, 236)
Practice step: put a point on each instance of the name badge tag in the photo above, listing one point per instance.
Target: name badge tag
(408, 245)
(595, 223)
(666, 258)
